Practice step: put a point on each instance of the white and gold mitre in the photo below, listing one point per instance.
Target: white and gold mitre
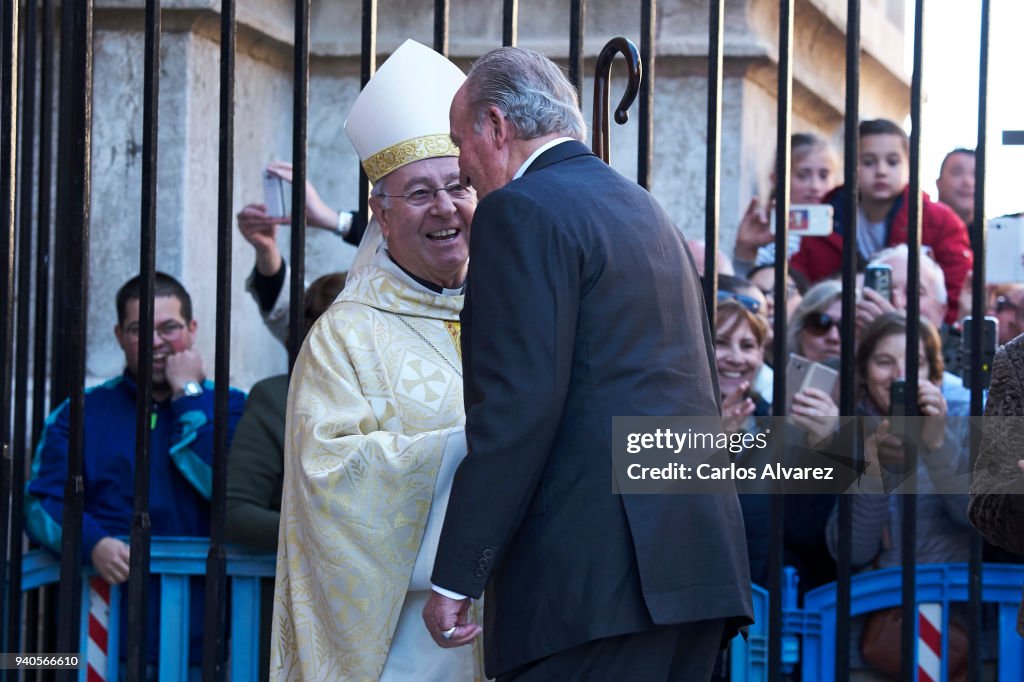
(401, 115)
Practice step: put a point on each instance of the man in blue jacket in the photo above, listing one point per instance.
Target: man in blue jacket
(181, 452)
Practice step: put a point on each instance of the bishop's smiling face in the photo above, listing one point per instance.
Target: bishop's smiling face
(430, 241)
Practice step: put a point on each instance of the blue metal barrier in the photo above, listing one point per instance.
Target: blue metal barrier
(808, 632)
(936, 583)
(173, 562)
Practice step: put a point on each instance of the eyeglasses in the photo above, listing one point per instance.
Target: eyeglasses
(168, 331)
(751, 304)
(770, 293)
(1003, 303)
(820, 324)
(425, 195)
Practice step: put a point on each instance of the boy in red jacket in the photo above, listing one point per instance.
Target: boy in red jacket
(883, 173)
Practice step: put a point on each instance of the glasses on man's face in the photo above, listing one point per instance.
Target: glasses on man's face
(751, 304)
(820, 324)
(1003, 303)
(168, 331)
(427, 195)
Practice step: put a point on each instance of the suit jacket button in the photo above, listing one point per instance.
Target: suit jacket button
(488, 553)
(479, 573)
(482, 563)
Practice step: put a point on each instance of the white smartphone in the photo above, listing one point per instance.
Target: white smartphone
(1004, 250)
(273, 195)
(802, 374)
(808, 220)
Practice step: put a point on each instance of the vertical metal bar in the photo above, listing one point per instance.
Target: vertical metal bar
(8, 163)
(42, 310)
(138, 577)
(509, 22)
(714, 148)
(974, 573)
(577, 19)
(648, 21)
(74, 192)
(300, 109)
(908, 506)
(367, 67)
(847, 397)
(441, 26)
(784, 107)
(21, 440)
(214, 640)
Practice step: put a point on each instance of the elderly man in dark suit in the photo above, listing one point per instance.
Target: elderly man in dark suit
(582, 303)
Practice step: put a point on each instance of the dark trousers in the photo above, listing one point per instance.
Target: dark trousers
(671, 653)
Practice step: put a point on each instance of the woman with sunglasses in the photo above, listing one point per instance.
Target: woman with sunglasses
(814, 330)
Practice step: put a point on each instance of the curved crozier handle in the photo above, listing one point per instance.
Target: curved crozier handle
(602, 74)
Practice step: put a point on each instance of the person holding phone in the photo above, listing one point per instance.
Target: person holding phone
(268, 283)
(943, 532)
(813, 168)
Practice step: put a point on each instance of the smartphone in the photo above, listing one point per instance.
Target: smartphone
(879, 278)
(989, 337)
(273, 195)
(1004, 250)
(802, 374)
(808, 220)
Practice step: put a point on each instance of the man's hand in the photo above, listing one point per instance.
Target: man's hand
(441, 614)
(182, 368)
(871, 305)
(260, 230)
(318, 214)
(110, 559)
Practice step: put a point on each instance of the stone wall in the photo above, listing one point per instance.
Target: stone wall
(189, 103)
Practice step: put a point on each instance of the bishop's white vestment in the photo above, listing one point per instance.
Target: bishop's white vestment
(374, 434)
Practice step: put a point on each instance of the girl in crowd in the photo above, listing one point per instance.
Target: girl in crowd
(813, 174)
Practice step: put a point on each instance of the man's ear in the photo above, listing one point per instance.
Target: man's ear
(499, 126)
(381, 214)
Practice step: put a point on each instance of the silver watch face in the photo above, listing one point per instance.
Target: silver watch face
(192, 388)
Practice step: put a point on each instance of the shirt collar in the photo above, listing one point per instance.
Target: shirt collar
(540, 150)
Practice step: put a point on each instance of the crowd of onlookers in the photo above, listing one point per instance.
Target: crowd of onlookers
(744, 347)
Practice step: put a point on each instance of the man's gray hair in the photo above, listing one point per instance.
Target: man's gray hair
(928, 267)
(378, 191)
(529, 89)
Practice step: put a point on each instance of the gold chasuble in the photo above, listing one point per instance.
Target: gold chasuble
(374, 434)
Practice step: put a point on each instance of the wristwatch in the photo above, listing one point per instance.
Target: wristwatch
(192, 388)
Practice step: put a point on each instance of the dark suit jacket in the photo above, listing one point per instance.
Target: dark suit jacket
(582, 303)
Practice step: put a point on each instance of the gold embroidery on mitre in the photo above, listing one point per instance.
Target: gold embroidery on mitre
(397, 155)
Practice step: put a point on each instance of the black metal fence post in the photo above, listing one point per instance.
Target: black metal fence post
(509, 22)
(74, 186)
(138, 576)
(784, 101)
(8, 163)
(645, 139)
(300, 110)
(577, 21)
(712, 165)
(214, 628)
